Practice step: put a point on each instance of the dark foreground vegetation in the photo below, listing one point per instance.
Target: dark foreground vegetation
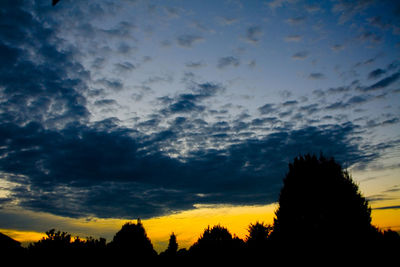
(321, 217)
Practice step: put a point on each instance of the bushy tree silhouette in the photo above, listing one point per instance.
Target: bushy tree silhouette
(217, 243)
(320, 204)
(53, 242)
(57, 245)
(132, 242)
(258, 238)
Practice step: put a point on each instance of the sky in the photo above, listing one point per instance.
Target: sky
(187, 113)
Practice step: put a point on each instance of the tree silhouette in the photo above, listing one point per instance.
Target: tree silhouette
(216, 243)
(320, 205)
(132, 242)
(53, 242)
(59, 244)
(172, 245)
(171, 253)
(258, 238)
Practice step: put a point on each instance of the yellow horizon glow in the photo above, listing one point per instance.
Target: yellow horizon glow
(24, 237)
(189, 225)
(186, 225)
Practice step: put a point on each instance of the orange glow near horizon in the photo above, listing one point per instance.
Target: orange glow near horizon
(24, 237)
(189, 225)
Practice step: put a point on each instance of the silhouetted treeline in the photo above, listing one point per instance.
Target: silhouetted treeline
(321, 215)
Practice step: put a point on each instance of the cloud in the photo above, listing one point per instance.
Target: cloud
(279, 3)
(309, 109)
(290, 103)
(300, 55)
(348, 9)
(124, 67)
(185, 103)
(296, 20)
(115, 85)
(48, 88)
(316, 76)
(117, 172)
(385, 82)
(394, 207)
(337, 47)
(352, 102)
(313, 8)
(370, 36)
(253, 34)
(252, 64)
(188, 40)
(224, 62)
(105, 102)
(372, 123)
(166, 43)
(293, 38)
(174, 12)
(195, 64)
(191, 102)
(226, 21)
(267, 108)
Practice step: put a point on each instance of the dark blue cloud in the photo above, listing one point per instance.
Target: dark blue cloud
(349, 103)
(375, 74)
(267, 108)
(188, 40)
(105, 102)
(191, 102)
(108, 171)
(385, 82)
(253, 34)
(300, 55)
(316, 76)
(46, 88)
(224, 62)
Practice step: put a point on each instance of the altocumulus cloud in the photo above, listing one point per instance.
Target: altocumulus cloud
(48, 88)
(109, 171)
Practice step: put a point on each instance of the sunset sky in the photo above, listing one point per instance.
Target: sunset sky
(186, 113)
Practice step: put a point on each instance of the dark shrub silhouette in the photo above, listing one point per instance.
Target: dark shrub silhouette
(55, 242)
(216, 243)
(389, 243)
(258, 238)
(132, 242)
(320, 205)
(59, 244)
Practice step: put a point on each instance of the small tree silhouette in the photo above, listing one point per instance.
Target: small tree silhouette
(216, 242)
(172, 245)
(132, 241)
(320, 204)
(172, 251)
(258, 237)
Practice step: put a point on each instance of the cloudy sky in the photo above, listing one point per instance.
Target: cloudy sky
(114, 110)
